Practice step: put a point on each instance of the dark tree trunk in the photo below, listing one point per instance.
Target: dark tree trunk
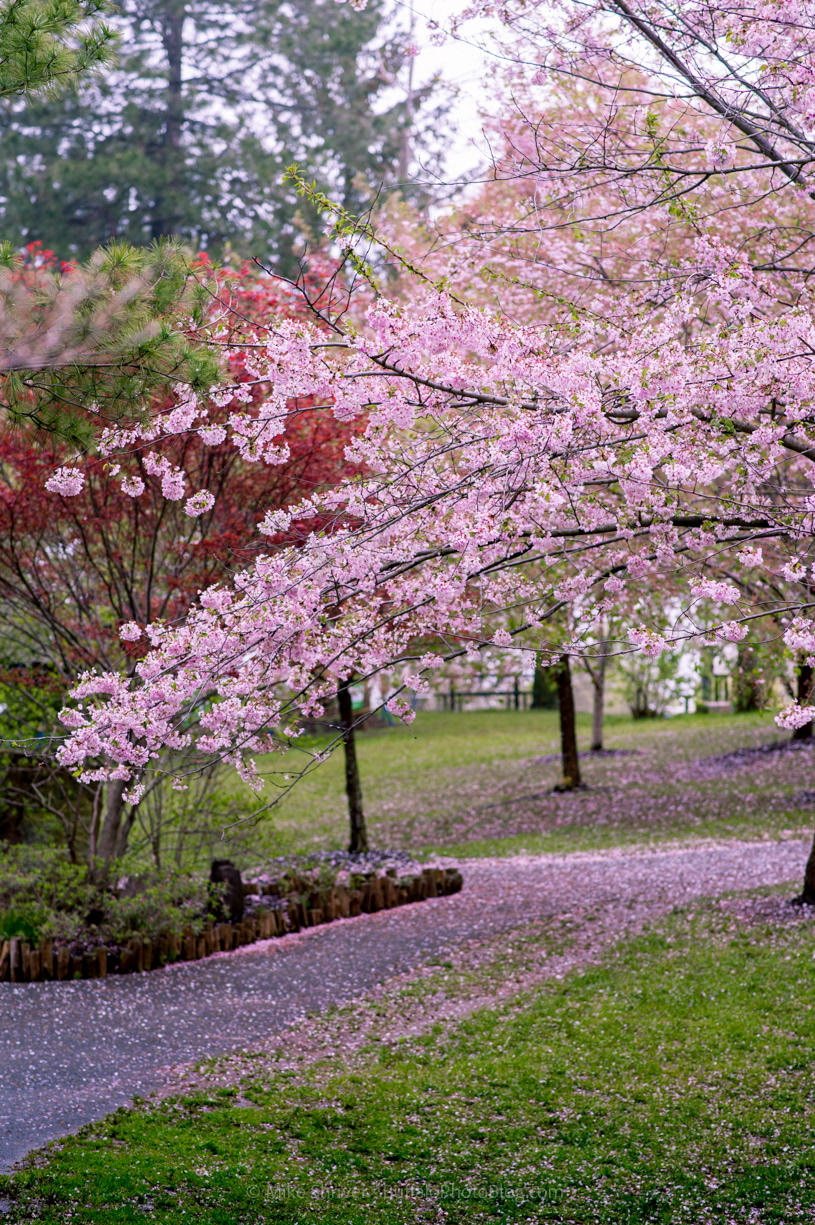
(166, 217)
(109, 841)
(804, 698)
(807, 895)
(224, 872)
(358, 840)
(568, 732)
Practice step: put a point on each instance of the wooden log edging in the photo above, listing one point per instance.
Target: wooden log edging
(22, 963)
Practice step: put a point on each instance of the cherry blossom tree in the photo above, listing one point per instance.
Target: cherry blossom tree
(631, 410)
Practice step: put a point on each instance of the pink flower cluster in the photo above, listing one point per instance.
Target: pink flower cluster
(794, 716)
(68, 482)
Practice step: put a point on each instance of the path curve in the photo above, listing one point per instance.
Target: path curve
(72, 1052)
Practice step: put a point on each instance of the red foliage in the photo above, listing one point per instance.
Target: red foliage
(35, 257)
(73, 569)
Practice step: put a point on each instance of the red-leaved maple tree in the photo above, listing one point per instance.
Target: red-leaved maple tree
(73, 570)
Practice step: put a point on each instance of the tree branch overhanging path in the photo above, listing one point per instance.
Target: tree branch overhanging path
(587, 400)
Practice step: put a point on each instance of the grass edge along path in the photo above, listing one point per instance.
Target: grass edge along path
(673, 1082)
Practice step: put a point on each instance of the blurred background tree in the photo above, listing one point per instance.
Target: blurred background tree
(649, 685)
(544, 688)
(191, 133)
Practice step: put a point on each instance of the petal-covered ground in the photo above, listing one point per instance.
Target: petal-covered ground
(71, 1053)
(481, 783)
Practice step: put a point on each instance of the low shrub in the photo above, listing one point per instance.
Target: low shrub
(43, 894)
(25, 923)
(43, 877)
(170, 901)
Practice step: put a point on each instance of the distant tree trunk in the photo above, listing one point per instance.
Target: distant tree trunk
(93, 835)
(407, 122)
(166, 216)
(124, 832)
(598, 681)
(568, 732)
(109, 840)
(359, 834)
(804, 698)
(748, 689)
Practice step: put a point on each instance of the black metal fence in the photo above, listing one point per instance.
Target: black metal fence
(516, 698)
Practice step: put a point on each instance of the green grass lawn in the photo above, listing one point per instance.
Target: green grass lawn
(673, 1083)
(474, 783)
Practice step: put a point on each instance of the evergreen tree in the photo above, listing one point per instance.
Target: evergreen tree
(46, 45)
(191, 134)
(107, 335)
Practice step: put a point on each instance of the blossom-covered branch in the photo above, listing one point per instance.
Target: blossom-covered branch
(650, 426)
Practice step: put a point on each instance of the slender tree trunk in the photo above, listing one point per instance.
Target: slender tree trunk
(807, 895)
(598, 680)
(568, 732)
(804, 698)
(125, 829)
(598, 685)
(359, 834)
(93, 833)
(109, 836)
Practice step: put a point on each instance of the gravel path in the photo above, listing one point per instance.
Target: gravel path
(72, 1052)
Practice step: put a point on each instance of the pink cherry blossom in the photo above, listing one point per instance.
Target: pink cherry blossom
(133, 486)
(66, 481)
(590, 396)
(199, 503)
(733, 631)
(750, 556)
(800, 636)
(795, 716)
(711, 589)
(650, 643)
